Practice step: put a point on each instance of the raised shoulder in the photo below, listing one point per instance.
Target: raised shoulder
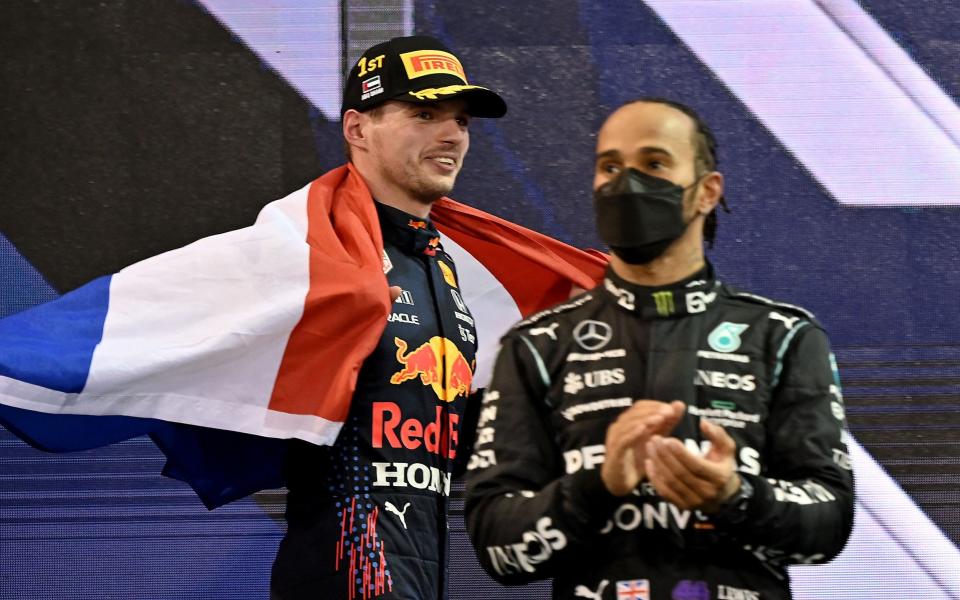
(544, 315)
(764, 302)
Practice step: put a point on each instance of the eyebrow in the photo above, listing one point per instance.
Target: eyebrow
(640, 151)
(416, 107)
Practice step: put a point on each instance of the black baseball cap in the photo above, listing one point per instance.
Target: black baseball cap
(416, 69)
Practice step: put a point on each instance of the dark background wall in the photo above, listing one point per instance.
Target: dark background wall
(128, 128)
(131, 128)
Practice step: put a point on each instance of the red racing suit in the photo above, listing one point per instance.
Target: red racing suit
(536, 506)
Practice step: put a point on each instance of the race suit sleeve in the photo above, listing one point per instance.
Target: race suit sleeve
(802, 510)
(468, 433)
(523, 512)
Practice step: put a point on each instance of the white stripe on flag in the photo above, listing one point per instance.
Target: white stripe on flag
(491, 305)
(213, 315)
(206, 412)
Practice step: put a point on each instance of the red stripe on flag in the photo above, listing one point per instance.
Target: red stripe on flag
(347, 304)
(536, 270)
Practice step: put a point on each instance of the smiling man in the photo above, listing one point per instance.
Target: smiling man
(662, 436)
(411, 153)
(367, 517)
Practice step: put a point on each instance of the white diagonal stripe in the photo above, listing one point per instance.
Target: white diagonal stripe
(299, 38)
(894, 546)
(874, 130)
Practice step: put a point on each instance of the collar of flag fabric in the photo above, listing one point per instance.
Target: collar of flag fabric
(224, 347)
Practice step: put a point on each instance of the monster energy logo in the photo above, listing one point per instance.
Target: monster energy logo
(664, 300)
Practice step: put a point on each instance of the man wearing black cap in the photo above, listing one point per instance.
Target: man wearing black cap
(406, 109)
(662, 436)
(367, 516)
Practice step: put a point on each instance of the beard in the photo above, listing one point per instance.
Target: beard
(428, 192)
(423, 187)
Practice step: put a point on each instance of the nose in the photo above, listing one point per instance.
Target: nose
(452, 132)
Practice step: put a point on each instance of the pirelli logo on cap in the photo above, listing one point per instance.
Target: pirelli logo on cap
(432, 62)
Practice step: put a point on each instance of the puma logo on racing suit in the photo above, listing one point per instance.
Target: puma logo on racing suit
(550, 330)
(583, 591)
(389, 507)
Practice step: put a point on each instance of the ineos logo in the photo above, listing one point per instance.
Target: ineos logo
(592, 335)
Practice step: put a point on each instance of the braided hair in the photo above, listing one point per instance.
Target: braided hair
(706, 156)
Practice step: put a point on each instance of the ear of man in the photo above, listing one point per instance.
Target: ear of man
(711, 192)
(353, 122)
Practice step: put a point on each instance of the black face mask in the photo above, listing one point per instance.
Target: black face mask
(639, 215)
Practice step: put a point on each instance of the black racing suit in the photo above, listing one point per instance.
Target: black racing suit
(537, 507)
(367, 517)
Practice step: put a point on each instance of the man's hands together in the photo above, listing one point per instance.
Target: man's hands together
(637, 448)
(691, 481)
(626, 443)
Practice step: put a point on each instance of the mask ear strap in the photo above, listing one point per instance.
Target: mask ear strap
(723, 203)
(723, 199)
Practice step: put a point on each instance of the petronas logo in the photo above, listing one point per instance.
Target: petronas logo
(665, 305)
(726, 337)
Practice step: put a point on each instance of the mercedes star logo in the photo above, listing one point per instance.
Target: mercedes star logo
(592, 335)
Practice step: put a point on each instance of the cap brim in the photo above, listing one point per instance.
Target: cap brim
(481, 102)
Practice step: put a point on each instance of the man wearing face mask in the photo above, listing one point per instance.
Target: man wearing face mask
(662, 436)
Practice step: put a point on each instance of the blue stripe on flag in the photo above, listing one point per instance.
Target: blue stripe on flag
(220, 466)
(51, 345)
(70, 433)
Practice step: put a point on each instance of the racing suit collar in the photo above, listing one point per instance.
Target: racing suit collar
(688, 296)
(409, 233)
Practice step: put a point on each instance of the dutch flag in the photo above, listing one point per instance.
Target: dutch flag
(224, 346)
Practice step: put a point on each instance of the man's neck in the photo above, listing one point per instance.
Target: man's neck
(679, 262)
(393, 195)
(407, 205)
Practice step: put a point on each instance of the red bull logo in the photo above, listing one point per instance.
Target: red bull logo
(392, 430)
(417, 224)
(438, 363)
(431, 249)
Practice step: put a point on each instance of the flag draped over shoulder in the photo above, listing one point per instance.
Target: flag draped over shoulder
(223, 348)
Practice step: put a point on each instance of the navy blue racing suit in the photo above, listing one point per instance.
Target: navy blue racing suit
(367, 517)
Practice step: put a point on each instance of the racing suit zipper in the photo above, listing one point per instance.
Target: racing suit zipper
(433, 272)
